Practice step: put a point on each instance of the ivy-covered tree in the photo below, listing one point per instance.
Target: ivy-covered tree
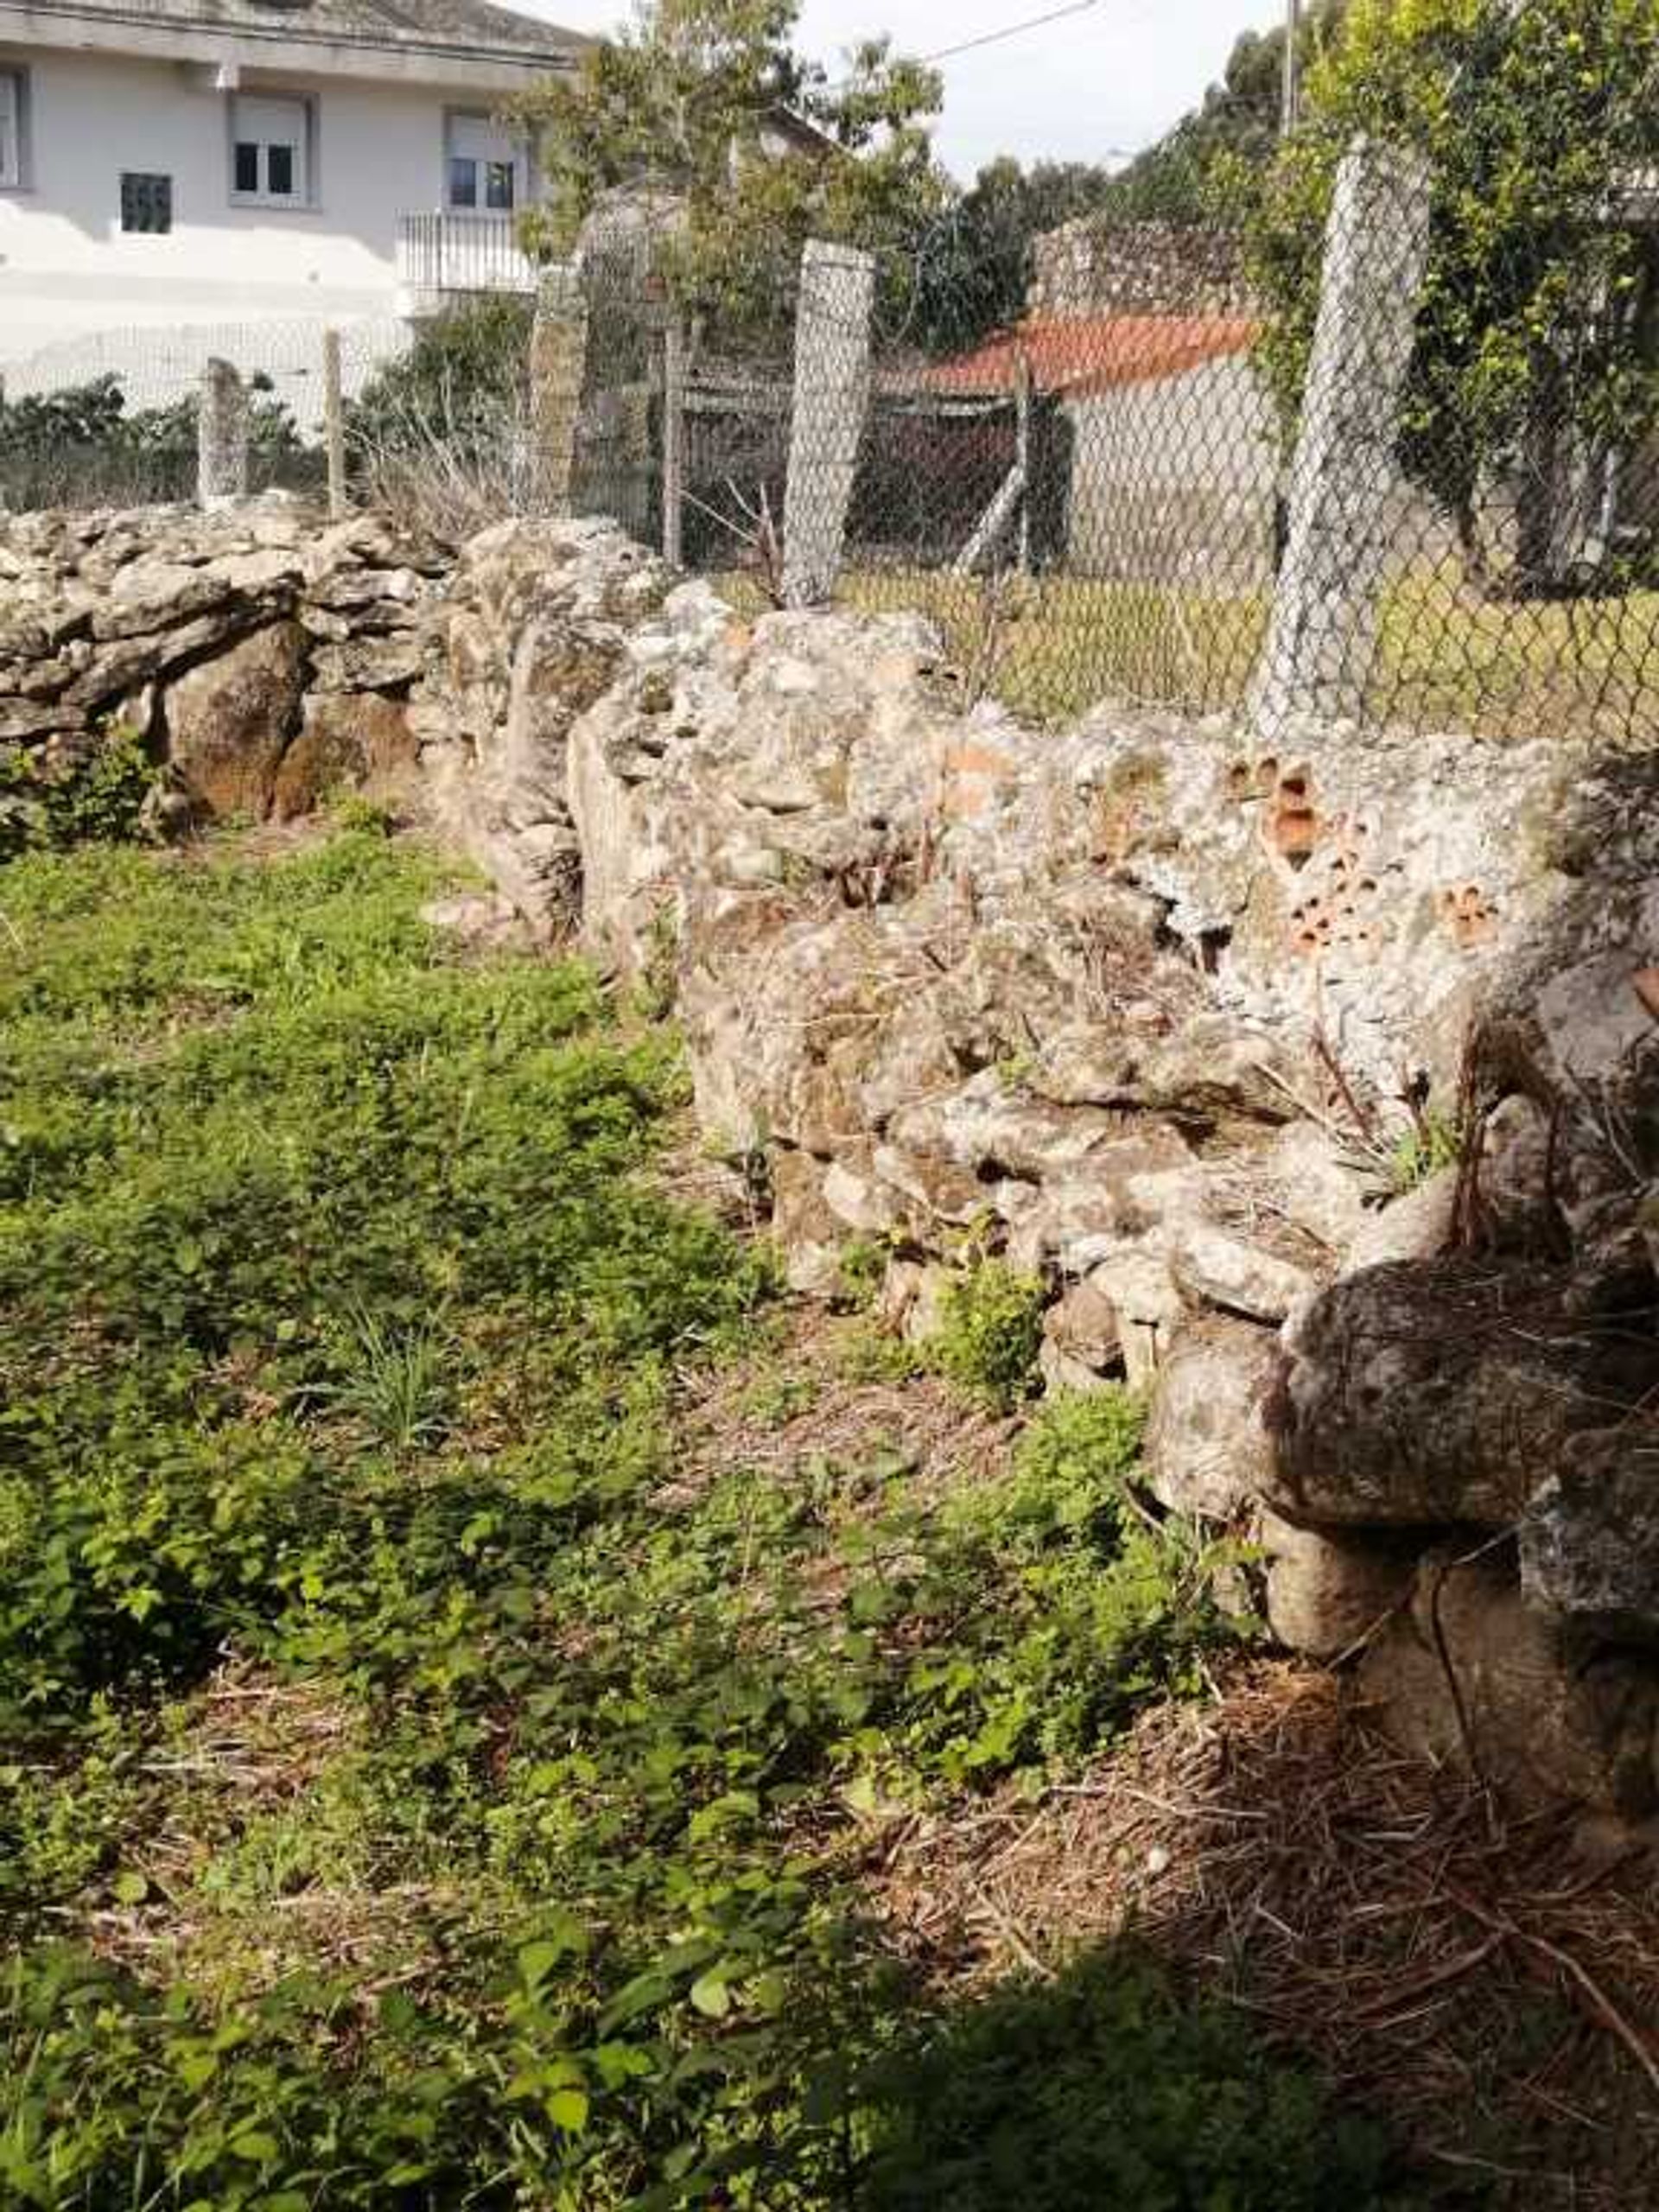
(709, 105)
(1533, 361)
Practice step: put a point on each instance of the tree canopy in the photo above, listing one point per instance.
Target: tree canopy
(973, 276)
(704, 102)
(1537, 119)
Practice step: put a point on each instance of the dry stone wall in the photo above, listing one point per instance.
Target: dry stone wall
(265, 655)
(1139, 1009)
(1147, 1013)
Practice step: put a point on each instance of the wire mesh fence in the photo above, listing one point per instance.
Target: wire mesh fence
(1349, 440)
(1362, 427)
(1115, 505)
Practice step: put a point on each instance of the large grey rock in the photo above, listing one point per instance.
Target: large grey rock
(1207, 1450)
(1439, 1393)
(1590, 1538)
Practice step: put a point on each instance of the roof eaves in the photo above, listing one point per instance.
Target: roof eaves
(284, 30)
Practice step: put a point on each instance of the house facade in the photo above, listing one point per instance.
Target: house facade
(172, 165)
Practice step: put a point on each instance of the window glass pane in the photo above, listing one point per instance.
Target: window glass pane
(247, 167)
(146, 203)
(499, 184)
(463, 183)
(279, 172)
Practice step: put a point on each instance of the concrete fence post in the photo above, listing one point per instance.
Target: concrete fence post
(559, 364)
(831, 397)
(221, 437)
(674, 439)
(1345, 479)
(334, 423)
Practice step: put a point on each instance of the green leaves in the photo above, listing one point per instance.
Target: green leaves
(482, 1786)
(1532, 116)
(676, 94)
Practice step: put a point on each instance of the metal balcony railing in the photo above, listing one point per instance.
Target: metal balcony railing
(442, 256)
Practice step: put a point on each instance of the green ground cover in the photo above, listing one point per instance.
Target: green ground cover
(425, 1786)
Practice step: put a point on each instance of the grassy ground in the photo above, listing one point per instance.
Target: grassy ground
(456, 1710)
(1446, 656)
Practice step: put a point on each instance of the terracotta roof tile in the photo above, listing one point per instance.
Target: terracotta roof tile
(1088, 354)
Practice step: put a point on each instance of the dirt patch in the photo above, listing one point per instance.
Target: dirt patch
(806, 1396)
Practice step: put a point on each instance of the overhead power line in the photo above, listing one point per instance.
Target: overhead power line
(1010, 31)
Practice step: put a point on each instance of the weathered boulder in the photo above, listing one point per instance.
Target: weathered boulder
(344, 738)
(1327, 1591)
(1471, 1676)
(1590, 1538)
(1207, 1449)
(1439, 1393)
(229, 721)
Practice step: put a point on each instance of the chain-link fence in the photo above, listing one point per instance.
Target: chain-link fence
(1360, 426)
(1369, 434)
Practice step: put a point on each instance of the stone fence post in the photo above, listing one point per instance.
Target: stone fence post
(559, 364)
(1345, 478)
(832, 393)
(333, 422)
(221, 437)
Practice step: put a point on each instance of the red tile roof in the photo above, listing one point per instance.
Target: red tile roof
(1082, 356)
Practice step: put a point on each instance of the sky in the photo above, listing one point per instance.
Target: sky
(1106, 79)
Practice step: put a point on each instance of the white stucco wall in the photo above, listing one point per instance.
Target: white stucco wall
(1174, 478)
(67, 269)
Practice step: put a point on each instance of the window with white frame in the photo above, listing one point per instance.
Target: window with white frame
(481, 165)
(11, 128)
(271, 150)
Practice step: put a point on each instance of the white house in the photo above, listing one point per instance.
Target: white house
(170, 167)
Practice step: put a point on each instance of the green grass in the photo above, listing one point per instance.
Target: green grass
(415, 1798)
(1446, 656)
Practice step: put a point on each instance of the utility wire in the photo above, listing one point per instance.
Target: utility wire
(1010, 31)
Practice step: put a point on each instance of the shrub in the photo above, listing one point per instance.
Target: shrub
(990, 1332)
(443, 436)
(101, 799)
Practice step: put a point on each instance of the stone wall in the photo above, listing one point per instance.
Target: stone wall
(264, 655)
(1088, 267)
(1140, 1010)
(1147, 1014)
